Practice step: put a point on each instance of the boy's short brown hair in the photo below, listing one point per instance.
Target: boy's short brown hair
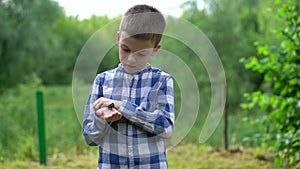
(143, 22)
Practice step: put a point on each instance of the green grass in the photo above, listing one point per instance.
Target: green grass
(205, 157)
(183, 156)
(18, 126)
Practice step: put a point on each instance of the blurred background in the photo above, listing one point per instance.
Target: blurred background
(40, 41)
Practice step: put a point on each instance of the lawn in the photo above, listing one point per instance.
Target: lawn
(183, 156)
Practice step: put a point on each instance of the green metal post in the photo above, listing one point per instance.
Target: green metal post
(41, 127)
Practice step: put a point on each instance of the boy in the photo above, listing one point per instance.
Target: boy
(130, 109)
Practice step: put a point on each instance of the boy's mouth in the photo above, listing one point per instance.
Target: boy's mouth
(129, 66)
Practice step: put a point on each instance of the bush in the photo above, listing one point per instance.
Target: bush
(280, 97)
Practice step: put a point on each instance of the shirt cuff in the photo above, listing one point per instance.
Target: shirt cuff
(99, 122)
(128, 110)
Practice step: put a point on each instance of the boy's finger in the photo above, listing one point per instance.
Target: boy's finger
(97, 106)
(96, 103)
(112, 117)
(103, 102)
(99, 113)
(115, 117)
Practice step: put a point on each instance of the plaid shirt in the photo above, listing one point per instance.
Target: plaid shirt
(137, 140)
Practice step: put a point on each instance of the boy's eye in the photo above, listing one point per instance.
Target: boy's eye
(142, 54)
(125, 50)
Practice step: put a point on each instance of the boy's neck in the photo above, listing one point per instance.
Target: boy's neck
(148, 66)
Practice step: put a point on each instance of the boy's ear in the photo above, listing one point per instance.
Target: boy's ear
(155, 50)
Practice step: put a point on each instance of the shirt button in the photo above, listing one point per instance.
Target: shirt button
(130, 150)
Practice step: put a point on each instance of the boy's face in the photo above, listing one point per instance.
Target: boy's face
(134, 54)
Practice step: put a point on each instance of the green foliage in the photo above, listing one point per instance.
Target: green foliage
(280, 96)
(232, 28)
(24, 37)
(48, 43)
(68, 36)
(37, 37)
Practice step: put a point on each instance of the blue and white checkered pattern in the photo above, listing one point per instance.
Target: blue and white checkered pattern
(137, 140)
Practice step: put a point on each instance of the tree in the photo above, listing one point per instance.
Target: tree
(232, 28)
(24, 39)
(280, 96)
(37, 38)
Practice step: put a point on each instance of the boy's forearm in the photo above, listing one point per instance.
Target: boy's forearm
(159, 122)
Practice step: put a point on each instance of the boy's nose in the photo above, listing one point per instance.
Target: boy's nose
(131, 58)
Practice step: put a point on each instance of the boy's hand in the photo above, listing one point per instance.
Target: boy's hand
(104, 102)
(109, 114)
